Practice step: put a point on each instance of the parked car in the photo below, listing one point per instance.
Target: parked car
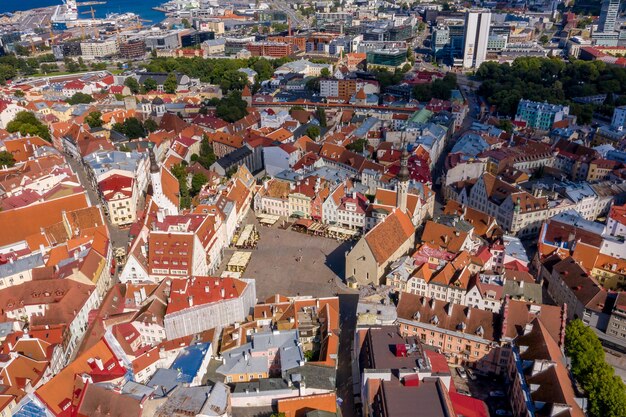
(463, 392)
(470, 374)
(496, 394)
(461, 372)
(503, 413)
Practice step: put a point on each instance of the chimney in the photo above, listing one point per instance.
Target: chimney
(142, 291)
(222, 292)
(190, 299)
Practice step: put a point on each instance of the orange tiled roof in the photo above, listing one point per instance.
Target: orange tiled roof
(387, 236)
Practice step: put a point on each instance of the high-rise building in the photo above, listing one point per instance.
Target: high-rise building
(608, 16)
(477, 23)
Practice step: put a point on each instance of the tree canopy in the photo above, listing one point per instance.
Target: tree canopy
(132, 128)
(232, 107)
(606, 391)
(440, 88)
(6, 159)
(27, 124)
(133, 85)
(551, 80)
(170, 84)
(94, 119)
(79, 98)
(312, 131)
(207, 156)
(223, 72)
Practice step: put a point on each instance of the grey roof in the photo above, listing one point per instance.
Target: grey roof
(514, 248)
(164, 381)
(185, 401)
(217, 403)
(131, 389)
(20, 265)
(266, 385)
(234, 157)
(6, 328)
(523, 290)
(108, 160)
(315, 376)
(243, 360)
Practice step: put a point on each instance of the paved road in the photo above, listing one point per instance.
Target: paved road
(283, 6)
(347, 306)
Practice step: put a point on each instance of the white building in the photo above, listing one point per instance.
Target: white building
(477, 23)
(619, 118)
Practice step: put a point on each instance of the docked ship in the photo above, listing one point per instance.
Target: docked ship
(65, 14)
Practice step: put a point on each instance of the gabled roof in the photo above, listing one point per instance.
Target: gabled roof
(99, 362)
(387, 236)
(444, 237)
(20, 224)
(448, 316)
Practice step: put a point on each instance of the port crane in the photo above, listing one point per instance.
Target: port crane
(93, 21)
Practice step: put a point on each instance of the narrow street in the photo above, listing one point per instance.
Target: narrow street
(347, 316)
(119, 237)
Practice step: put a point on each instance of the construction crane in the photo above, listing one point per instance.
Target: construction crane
(93, 21)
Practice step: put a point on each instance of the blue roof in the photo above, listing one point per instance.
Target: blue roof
(30, 408)
(189, 361)
(470, 144)
(365, 127)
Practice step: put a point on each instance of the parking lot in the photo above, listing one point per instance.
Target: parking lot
(292, 263)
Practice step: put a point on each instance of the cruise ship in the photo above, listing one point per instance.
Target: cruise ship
(65, 13)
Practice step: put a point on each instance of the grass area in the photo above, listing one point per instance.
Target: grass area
(51, 74)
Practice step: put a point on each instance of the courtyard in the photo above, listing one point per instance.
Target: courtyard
(289, 262)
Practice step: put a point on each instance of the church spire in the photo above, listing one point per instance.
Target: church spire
(154, 167)
(404, 174)
(402, 188)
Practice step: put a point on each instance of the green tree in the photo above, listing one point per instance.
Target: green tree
(27, 124)
(6, 159)
(19, 93)
(325, 73)
(544, 39)
(197, 181)
(506, 125)
(357, 146)
(422, 92)
(606, 392)
(133, 85)
(71, 65)
(185, 23)
(132, 128)
(170, 84)
(320, 115)
(150, 125)
(231, 108)
(94, 119)
(22, 50)
(79, 98)
(207, 155)
(312, 131)
(180, 172)
(313, 85)
(263, 68)
(7, 72)
(149, 84)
